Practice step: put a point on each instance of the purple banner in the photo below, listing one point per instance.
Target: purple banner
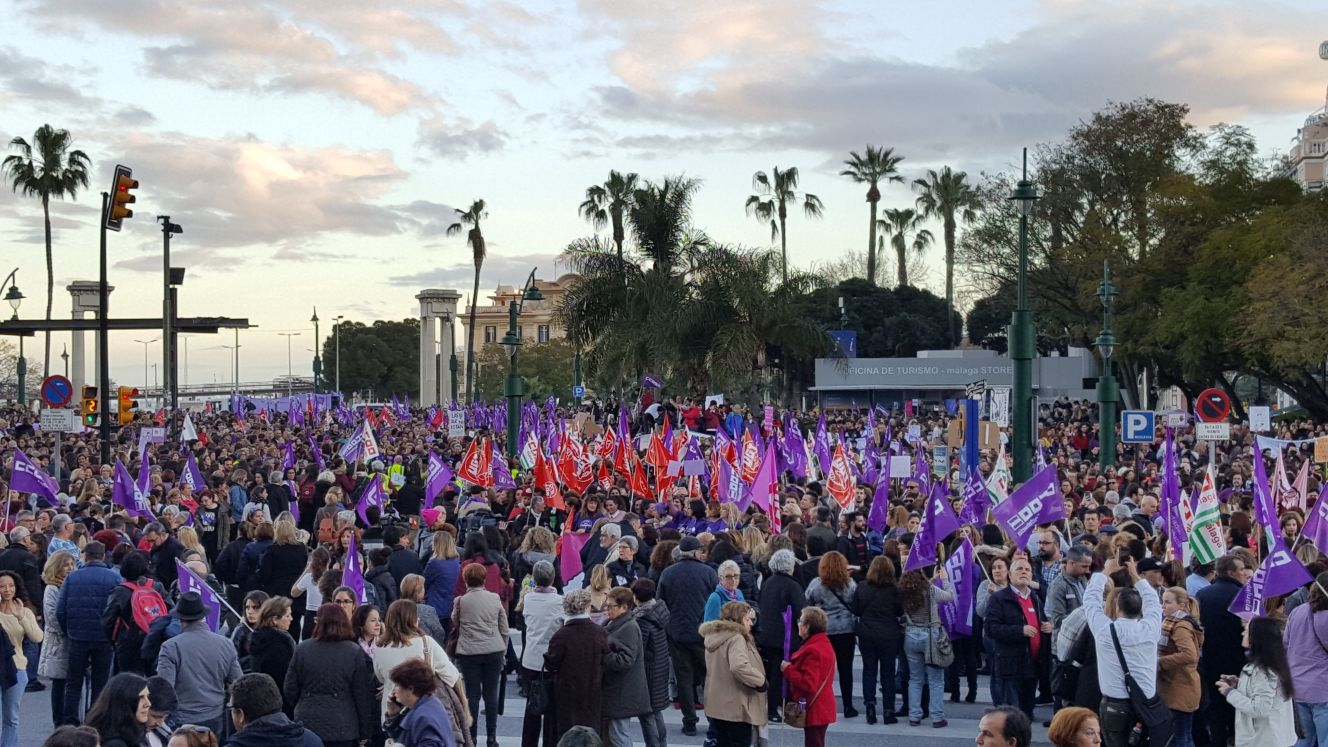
(437, 479)
(1316, 524)
(29, 478)
(938, 521)
(352, 573)
(191, 582)
(1279, 573)
(1036, 502)
(957, 616)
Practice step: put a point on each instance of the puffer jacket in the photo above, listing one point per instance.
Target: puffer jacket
(684, 587)
(330, 683)
(83, 600)
(626, 691)
(54, 652)
(653, 619)
(735, 685)
(835, 604)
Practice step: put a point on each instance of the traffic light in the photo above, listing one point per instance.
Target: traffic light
(121, 197)
(89, 406)
(128, 405)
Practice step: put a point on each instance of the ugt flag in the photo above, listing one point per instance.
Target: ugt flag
(957, 615)
(1034, 503)
(189, 581)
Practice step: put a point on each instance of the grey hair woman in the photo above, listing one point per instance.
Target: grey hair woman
(574, 656)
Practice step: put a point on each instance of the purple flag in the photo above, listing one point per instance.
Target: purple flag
(938, 521)
(317, 453)
(288, 461)
(797, 450)
(436, 480)
(1265, 512)
(126, 493)
(651, 381)
(192, 476)
(788, 640)
(1172, 522)
(1316, 524)
(1035, 502)
(371, 496)
(29, 478)
(294, 502)
(880, 505)
(502, 474)
(977, 499)
(765, 485)
(352, 573)
(1279, 573)
(921, 470)
(189, 581)
(957, 616)
(821, 446)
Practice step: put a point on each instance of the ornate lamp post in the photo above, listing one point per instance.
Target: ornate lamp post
(1022, 348)
(15, 299)
(514, 389)
(318, 361)
(1107, 391)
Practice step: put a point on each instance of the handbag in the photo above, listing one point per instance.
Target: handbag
(795, 712)
(1150, 710)
(539, 696)
(940, 652)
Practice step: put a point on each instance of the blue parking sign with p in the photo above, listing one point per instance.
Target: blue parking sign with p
(1137, 426)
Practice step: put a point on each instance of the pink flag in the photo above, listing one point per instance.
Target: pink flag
(569, 556)
(1295, 497)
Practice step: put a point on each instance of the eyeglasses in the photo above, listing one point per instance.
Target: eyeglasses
(343, 602)
(729, 575)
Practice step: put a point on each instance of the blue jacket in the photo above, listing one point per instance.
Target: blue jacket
(440, 577)
(239, 498)
(685, 587)
(82, 601)
(427, 725)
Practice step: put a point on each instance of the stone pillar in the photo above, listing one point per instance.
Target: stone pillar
(435, 384)
(85, 303)
(444, 355)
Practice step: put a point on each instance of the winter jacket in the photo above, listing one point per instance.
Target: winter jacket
(480, 620)
(1178, 682)
(118, 622)
(270, 653)
(735, 685)
(653, 620)
(385, 587)
(274, 730)
(52, 664)
(20, 560)
(1004, 624)
(426, 725)
(247, 574)
(1264, 716)
(330, 683)
(716, 601)
(239, 498)
(440, 578)
(1222, 652)
(836, 605)
(163, 561)
(809, 677)
(430, 624)
(82, 600)
(403, 562)
(201, 666)
(684, 588)
(878, 610)
(543, 611)
(1063, 597)
(626, 689)
(280, 567)
(778, 593)
(575, 656)
(227, 567)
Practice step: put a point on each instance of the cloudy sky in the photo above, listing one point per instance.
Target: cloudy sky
(313, 150)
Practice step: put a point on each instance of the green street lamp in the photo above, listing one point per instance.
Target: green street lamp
(15, 299)
(318, 361)
(1107, 391)
(514, 389)
(1022, 348)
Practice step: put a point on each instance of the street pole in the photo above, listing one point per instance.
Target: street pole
(1021, 341)
(237, 360)
(64, 356)
(22, 374)
(513, 387)
(103, 335)
(318, 361)
(336, 328)
(576, 369)
(289, 371)
(165, 304)
(1107, 391)
(145, 344)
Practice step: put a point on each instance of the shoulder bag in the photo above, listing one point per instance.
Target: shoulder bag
(453, 698)
(795, 712)
(939, 651)
(1150, 710)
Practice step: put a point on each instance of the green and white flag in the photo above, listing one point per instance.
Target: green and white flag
(998, 482)
(1206, 544)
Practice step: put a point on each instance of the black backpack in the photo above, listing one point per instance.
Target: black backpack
(474, 522)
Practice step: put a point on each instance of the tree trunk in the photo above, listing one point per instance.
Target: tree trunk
(949, 276)
(901, 261)
(871, 242)
(783, 248)
(50, 283)
(618, 236)
(470, 339)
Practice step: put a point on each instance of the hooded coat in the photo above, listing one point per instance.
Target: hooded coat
(626, 689)
(735, 684)
(574, 657)
(653, 619)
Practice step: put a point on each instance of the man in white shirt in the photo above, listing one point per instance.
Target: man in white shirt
(1138, 626)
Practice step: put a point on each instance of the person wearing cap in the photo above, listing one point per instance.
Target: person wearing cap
(684, 588)
(200, 665)
(1150, 570)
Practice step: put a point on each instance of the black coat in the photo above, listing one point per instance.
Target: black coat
(270, 653)
(685, 586)
(1004, 624)
(403, 562)
(1222, 652)
(386, 590)
(878, 610)
(278, 499)
(19, 560)
(330, 683)
(118, 621)
(409, 499)
(778, 593)
(574, 656)
(280, 567)
(654, 623)
(163, 561)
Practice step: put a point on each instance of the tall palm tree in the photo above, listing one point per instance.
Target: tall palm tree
(898, 223)
(47, 168)
(608, 204)
(661, 220)
(475, 239)
(945, 196)
(873, 167)
(770, 203)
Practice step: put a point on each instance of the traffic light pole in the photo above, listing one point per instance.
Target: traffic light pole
(167, 339)
(103, 335)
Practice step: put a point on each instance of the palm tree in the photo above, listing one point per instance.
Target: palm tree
(609, 203)
(770, 203)
(475, 239)
(944, 196)
(899, 223)
(47, 168)
(661, 220)
(878, 164)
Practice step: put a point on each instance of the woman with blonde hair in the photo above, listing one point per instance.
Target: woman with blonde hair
(283, 564)
(412, 588)
(599, 589)
(188, 536)
(1178, 681)
(52, 664)
(440, 576)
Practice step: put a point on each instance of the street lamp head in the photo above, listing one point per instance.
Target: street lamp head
(1025, 194)
(1106, 344)
(512, 343)
(314, 318)
(533, 294)
(15, 298)
(1106, 292)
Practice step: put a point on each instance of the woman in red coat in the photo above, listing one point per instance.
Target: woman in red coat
(810, 675)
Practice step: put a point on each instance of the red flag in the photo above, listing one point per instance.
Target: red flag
(629, 466)
(608, 445)
(840, 481)
(573, 464)
(546, 477)
(477, 465)
(657, 456)
(605, 479)
(370, 418)
(751, 457)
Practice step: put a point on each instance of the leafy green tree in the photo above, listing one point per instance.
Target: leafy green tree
(378, 360)
(871, 168)
(474, 239)
(47, 168)
(774, 192)
(948, 196)
(890, 322)
(545, 369)
(898, 223)
(609, 203)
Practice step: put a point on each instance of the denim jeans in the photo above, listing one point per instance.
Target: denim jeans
(9, 703)
(620, 732)
(1181, 733)
(81, 656)
(1314, 720)
(915, 648)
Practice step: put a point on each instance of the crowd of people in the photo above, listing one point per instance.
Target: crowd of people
(265, 581)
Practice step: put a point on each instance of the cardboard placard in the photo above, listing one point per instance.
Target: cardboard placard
(989, 435)
(1321, 450)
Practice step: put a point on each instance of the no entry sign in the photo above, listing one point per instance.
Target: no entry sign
(1212, 406)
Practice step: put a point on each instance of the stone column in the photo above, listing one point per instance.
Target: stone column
(427, 384)
(435, 305)
(83, 293)
(444, 355)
